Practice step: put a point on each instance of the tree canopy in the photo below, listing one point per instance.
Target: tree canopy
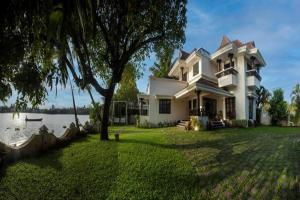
(295, 97)
(91, 41)
(278, 106)
(127, 89)
(164, 58)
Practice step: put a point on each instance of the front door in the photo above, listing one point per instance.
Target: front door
(210, 107)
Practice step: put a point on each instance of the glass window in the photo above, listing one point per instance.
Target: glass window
(251, 108)
(184, 76)
(230, 108)
(196, 69)
(164, 106)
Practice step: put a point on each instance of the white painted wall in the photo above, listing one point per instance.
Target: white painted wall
(240, 92)
(166, 87)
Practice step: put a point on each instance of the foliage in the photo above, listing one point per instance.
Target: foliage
(278, 107)
(147, 124)
(127, 90)
(295, 97)
(94, 112)
(262, 100)
(195, 123)
(240, 123)
(91, 40)
(164, 58)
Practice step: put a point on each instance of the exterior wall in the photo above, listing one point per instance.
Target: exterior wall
(167, 88)
(179, 111)
(207, 68)
(241, 99)
(191, 77)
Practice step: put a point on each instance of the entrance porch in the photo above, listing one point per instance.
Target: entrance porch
(208, 102)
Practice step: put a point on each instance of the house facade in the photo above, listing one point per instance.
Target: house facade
(217, 86)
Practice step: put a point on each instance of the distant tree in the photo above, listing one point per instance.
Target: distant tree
(164, 56)
(295, 97)
(278, 106)
(127, 89)
(263, 98)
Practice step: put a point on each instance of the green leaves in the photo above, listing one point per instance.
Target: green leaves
(278, 106)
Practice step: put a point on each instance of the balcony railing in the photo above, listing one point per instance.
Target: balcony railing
(253, 72)
(225, 72)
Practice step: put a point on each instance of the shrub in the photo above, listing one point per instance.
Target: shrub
(195, 123)
(278, 107)
(241, 123)
(137, 120)
(147, 124)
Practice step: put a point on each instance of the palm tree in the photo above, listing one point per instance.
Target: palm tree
(164, 58)
(263, 96)
(295, 97)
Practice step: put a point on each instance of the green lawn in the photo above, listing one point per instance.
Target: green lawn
(254, 163)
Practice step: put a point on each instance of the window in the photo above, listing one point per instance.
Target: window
(190, 104)
(194, 103)
(230, 108)
(226, 66)
(195, 69)
(164, 106)
(184, 76)
(251, 108)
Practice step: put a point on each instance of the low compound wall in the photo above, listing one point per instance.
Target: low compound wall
(37, 143)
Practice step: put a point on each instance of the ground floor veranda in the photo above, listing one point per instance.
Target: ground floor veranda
(196, 100)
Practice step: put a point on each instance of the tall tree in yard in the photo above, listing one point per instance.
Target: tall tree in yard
(263, 98)
(278, 106)
(127, 89)
(92, 41)
(295, 97)
(164, 58)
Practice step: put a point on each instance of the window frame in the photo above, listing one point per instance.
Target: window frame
(196, 66)
(164, 106)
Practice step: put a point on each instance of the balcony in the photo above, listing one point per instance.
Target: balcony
(227, 77)
(253, 78)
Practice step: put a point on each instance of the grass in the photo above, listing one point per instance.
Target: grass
(166, 163)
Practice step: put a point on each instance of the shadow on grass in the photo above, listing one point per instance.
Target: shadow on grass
(247, 162)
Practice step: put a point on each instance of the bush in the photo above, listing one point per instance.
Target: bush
(278, 107)
(147, 124)
(195, 123)
(240, 123)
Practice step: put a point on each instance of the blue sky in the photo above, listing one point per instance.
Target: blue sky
(274, 25)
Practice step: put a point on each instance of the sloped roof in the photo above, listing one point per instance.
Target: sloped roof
(225, 40)
(183, 55)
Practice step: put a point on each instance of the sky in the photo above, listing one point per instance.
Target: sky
(274, 26)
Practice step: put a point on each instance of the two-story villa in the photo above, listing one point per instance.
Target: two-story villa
(221, 85)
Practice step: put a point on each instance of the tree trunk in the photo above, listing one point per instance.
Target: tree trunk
(74, 107)
(105, 113)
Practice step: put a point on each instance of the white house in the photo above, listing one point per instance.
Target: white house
(221, 85)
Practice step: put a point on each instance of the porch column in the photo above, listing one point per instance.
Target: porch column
(198, 102)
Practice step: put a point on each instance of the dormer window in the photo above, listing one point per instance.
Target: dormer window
(195, 69)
